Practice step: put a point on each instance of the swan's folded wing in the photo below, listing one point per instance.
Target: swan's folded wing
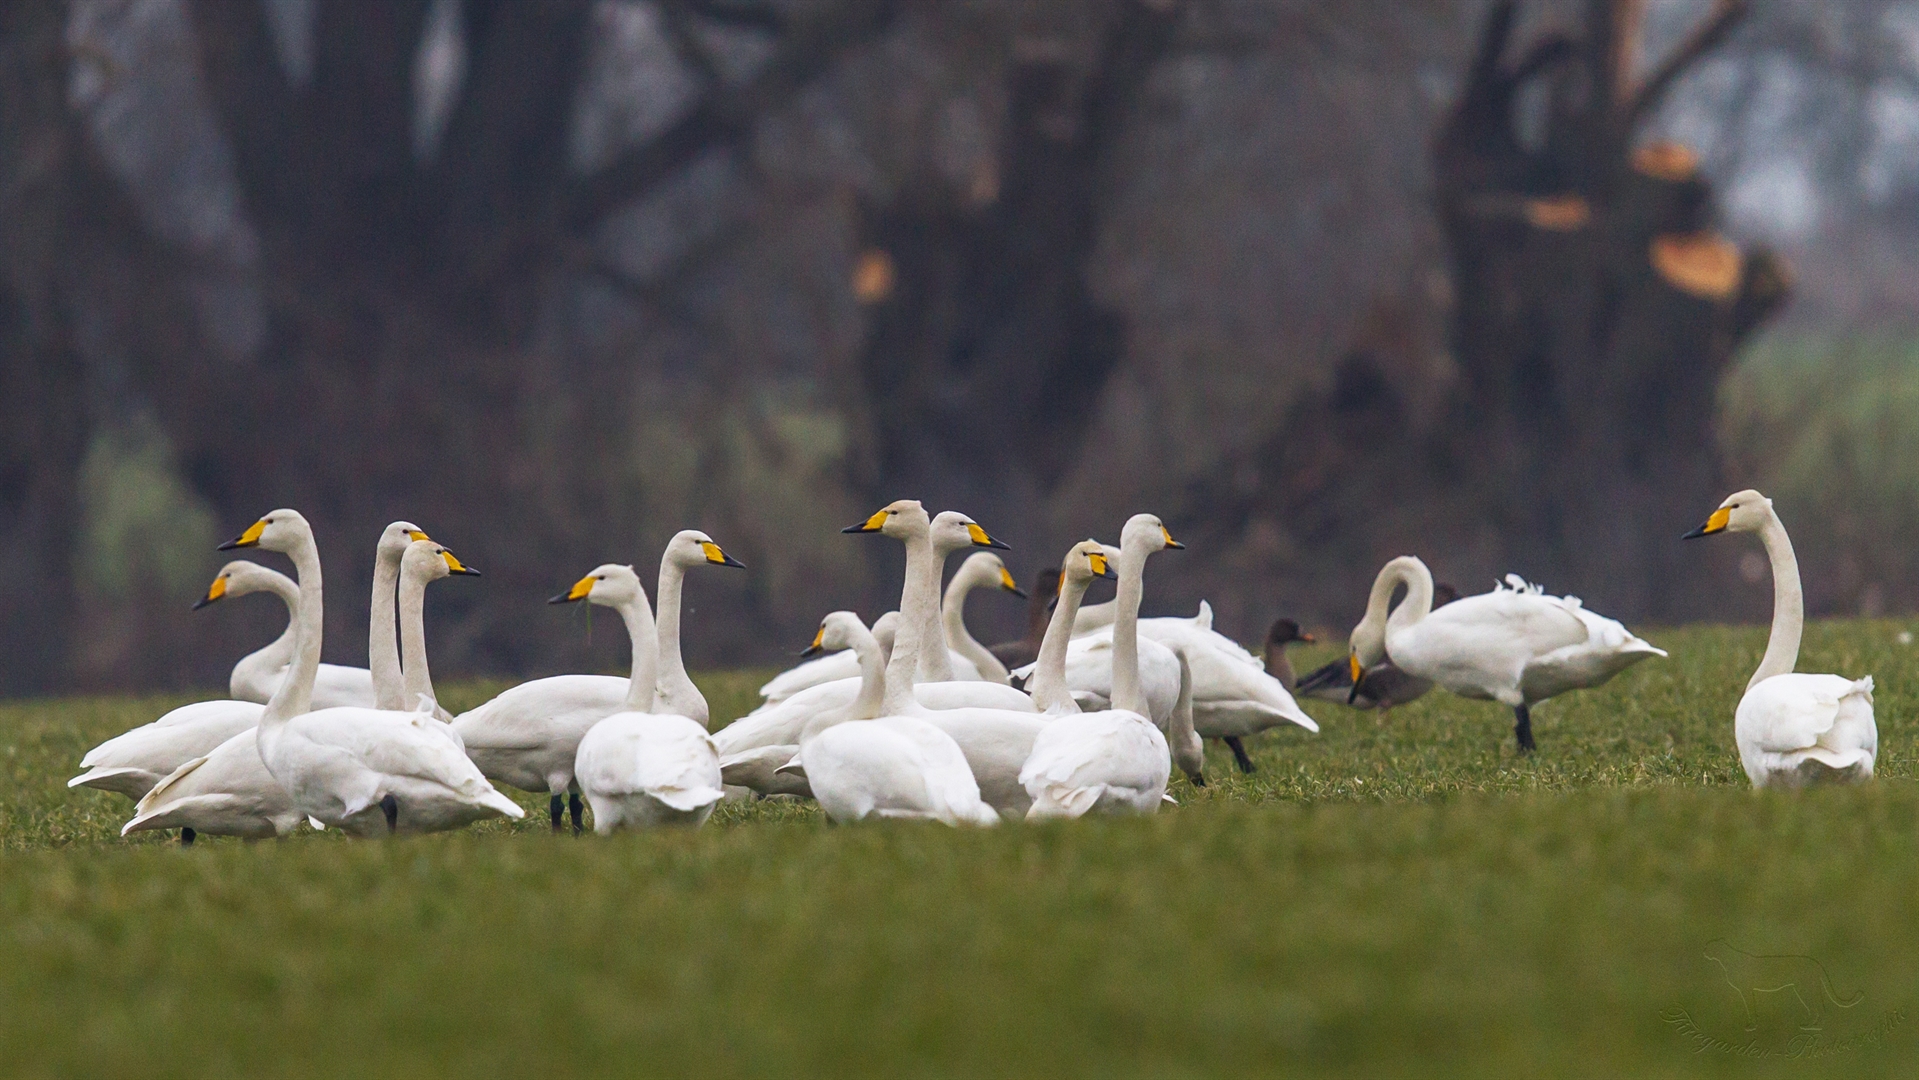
(399, 745)
(1498, 619)
(839, 665)
(678, 766)
(1792, 711)
(529, 715)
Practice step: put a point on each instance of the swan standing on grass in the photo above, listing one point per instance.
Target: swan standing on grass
(638, 767)
(229, 792)
(529, 736)
(259, 673)
(1793, 729)
(860, 764)
(1514, 645)
(341, 765)
(1115, 761)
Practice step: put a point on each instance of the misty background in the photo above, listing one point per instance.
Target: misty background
(1513, 287)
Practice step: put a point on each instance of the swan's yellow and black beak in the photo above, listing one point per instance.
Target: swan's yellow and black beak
(454, 565)
(1006, 582)
(719, 558)
(417, 534)
(579, 591)
(248, 538)
(1102, 566)
(214, 592)
(981, 539)
(1358, 673)
(1716, 523)
(1170, 542)
(870, 525)
(816, 648)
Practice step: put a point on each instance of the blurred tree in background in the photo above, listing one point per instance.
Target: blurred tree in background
(1320, 282)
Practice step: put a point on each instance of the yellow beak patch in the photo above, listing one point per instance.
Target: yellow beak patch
(1098, 562)
(1170, 542)
(979, 535)
(252, 535)
(218, 589)
(1358, 671)
(581, 588)
(713, 553)
(819, 636)
(876, 522)
(417, 534)
(1717, 522)
(452, 563)
(1006, 580)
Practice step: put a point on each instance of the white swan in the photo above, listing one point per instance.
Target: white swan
(1793, 729)
(1514, 645)
(260, 672)
(676, 692)
(860, 765)
(341, 766)
(133, 761)
(529, 736)
(229, 792)
(638, 767)
(981, 568)
(1114, 761)
(830, 667)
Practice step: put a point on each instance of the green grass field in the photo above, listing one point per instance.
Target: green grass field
(1380, 899)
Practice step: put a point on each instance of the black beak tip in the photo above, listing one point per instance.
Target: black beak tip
(202, 602)
(810, 651)
(1695, 534)
(1175, 545)
(735, 563)
(563, 598)
(469, 571)
(860, 528)
(228, 546)
(1353, 694)
(1017, 591)
(1053, 603)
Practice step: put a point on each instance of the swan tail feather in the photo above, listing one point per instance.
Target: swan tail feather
(1058, 801)
(105, 779)
(167, 784)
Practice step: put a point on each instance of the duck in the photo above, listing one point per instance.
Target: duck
(638, 767)
(1113, 761)
(861, 764)
(1039, 611)
(528, 736)
(229, 792)
(257, 674)
(1793, 729)
(1385, 685)
(345, 765)
(1514, 645)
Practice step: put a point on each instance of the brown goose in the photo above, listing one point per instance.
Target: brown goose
(1382, 687)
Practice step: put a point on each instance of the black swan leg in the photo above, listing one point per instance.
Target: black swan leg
(1523, 729)
(575, 808)
(556, 809)
(186, 837)
(390, 806)
(1239, 753)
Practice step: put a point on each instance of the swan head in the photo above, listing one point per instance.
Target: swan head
(691, 547)
(1743, 511)
(239, 578)
(900, 520)
(610, 586)
(1148, 532)
(428, 561)
(394, 539)
(839, 630)
(988, 569)
(953, 531)
(1085, 561)
(281, 530)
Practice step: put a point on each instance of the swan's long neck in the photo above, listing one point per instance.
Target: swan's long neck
(643, 676)
(262, 666)
(869, 703)
(1048, 687)
(1788, 604)
(936, 663)
(1126, 692)
(418, 679)
(295, 693)
(916, 601)
(1369, 637)
(953, 618)
(676, 686)
(382, 649)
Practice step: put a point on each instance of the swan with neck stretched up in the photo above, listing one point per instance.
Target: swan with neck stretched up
(641, 767)
(229, 792)
(1793, 729)
(257, 674)
(529, 736)
(352, 767)
(1115, 761)
(860, 764)
(1514, 645)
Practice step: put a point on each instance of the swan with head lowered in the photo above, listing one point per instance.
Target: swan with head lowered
(529, 736)
(1384, 686)
(1115, 761)
(640, 767)
(229, 792)
(353, 767)
(860, 764)
(1793, 729)
(1514, 645)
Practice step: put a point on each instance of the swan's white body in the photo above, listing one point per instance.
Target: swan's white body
(639, 767)
(1514, 645)
(258, 674)
(228, 792)
(859, 766)
(346, 766)
(132, 762)
(1794, 729)
(838, 666)
(1115, 760)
